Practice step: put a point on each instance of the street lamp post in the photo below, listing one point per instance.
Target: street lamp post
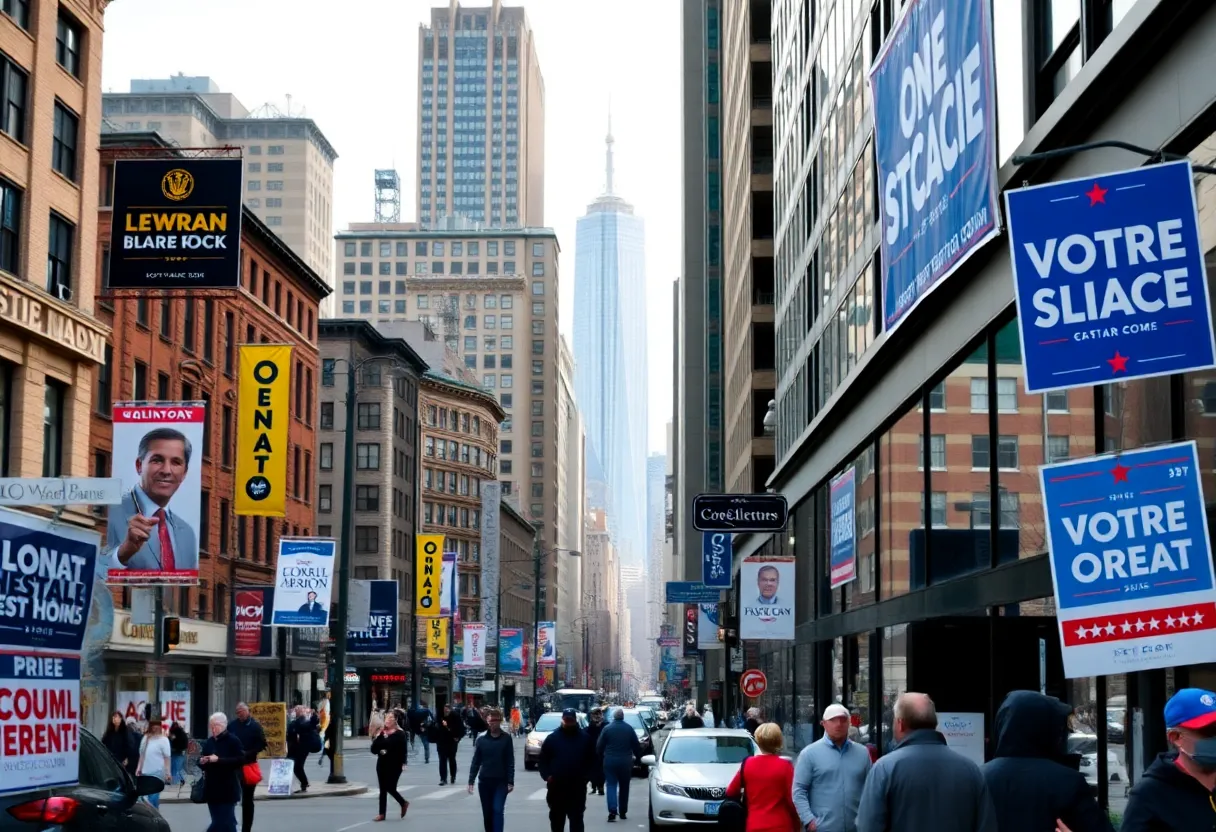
(537, 554)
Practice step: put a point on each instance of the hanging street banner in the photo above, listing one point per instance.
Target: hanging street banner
(176, 224)
(46, 583)
(303, 582)
(766, 599)
(252, 635)
(437, 639)
(447, 586)
(39, 722)
(707, 627)
(473, 640)
(934, 98)
(692, 630)
(1109, 277)
(491, 506)
(152, 535)
(844, 535)
(428, 573)
(546, 644)
(262, 417)
(717, 553)
(511, 661)
(1131, 561)
(380, 637)
(691, 592)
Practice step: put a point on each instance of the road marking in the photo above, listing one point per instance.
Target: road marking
(372, 794)
(539, 794)
(354, 826)
(446, 791)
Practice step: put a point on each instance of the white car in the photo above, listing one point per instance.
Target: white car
(689, 777)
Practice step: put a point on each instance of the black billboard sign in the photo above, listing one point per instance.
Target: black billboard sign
(740, 513)
(176, 224)
(692, 620)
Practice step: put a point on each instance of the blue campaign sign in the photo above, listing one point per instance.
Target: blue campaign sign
(381, 636)
(46, 583)
(691, 592)
(1109, 277)
(717, 552)
(844, 538)
(935, 139)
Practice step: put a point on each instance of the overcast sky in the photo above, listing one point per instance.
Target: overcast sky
(355, 73)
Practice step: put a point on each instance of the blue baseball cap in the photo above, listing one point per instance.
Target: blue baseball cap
(569, 713)
(1192, 708)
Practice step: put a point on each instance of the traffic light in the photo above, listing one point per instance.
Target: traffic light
(170, 634)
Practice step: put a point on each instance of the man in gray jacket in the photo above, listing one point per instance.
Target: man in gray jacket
(618, 746)
(494, 759)
(922, 785)
(830, 775)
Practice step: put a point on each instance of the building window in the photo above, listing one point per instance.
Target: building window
(937, 397)
(1006, 453)
(1057, 402)
(327, 415)
(1007, 395)
(981, 513)
(139, 382)
(53, 413)
(59, 255)
(67, 44)
(937, 452)
(325, 498)
(367, 539)
(63, 144)
(538, 270)
(367, 498)
(229, 342)
(105, 382)
(12, 120)
(325, 458)
(367, 456)
(188, 324)
(1057, 448)
(937, 503)
(327, 372)
(10, 226)
(369, 416)
(226, 436)
(18, 10)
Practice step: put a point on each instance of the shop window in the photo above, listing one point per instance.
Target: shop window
(54, 415)
(899, 461)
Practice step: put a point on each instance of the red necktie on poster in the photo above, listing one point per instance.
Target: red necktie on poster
(167, 563)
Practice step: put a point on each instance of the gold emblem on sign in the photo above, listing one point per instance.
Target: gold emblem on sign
(177, 184)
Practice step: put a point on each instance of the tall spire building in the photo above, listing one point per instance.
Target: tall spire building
(610, 359)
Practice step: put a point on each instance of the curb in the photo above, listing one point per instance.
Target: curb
(338, 791)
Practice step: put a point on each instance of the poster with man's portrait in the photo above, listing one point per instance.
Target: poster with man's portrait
(766, 598)
(152, 535)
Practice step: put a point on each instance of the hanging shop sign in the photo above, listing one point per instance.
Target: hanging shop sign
(739, 513)
(717, 552)
(429, 574)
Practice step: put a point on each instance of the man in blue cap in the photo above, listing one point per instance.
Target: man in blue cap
(566, 758)
(1177, 790)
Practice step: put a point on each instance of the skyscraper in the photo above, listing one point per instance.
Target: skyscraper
(610, 359)
(481, 118)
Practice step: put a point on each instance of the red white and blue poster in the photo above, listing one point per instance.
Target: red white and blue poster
(844, 538)
(39, 722)
(1131, 561)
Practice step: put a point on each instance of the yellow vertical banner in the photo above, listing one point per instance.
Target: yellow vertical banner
(262, 418)
(437, 638)
(428, 573)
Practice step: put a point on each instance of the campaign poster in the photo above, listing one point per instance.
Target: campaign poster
(511, 660)
(39, 722)
(1109, 277)
(934, 98)
(303, 582)
(46, 583)
(279, 784)
(428, 574)
(766, 599)
(262, 419)
(473, 640)
(717, 552)
(380, 637)
(176, 224)
(491, 505)
(174, 707)
(1131, 561)
(152, 535)
(844, 538)
(252, 636)
(447, 585)
(546, 644)
(707, 627)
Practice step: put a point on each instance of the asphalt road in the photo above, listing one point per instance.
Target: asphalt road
(450, 809)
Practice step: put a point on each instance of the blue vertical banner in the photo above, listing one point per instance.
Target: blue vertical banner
(843, 497)
(1109, 277)
(717, 551)
(1131, 561)
(934, 100)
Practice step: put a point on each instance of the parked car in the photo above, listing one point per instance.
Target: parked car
(688, 779)
(636, 721)
(1087, 746)
(106, 800)
(549, 722)
(650, 717)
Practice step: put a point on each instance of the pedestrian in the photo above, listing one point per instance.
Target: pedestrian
(154, 754)
(617, 748)
(375, 722)
(122, 742)
(922, 784)
(765, 782)
(300, 741)
(691, 718)
(565, 762)
(1031, 786)
(829, 776)
(448, 731)
(515, 720)
(221, 762)
(425, 720)
(475, 722)
(331, 743)
(391, 750)
(494, 760)
(1178, 791)
(253, 740)
(753, 721)
(594, 728)
(179, 744)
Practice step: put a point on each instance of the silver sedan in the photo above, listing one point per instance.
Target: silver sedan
(688, 778)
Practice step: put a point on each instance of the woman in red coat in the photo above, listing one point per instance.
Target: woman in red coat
(767, 780)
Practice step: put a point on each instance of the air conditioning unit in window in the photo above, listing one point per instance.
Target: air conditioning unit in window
(63, 292)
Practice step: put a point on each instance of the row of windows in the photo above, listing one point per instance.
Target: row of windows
(457, 421)
(457, 248)
(472, 267)
(286, 305)
(458, 517)
(452, 451)
(459, 484)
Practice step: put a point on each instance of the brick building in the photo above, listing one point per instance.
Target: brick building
(179, 346)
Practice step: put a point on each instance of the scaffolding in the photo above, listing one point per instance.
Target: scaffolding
(388, 196)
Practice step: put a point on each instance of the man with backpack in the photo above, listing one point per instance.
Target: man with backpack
(420, 720)
(303, 738)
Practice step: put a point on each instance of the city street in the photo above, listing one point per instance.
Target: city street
(448, 808)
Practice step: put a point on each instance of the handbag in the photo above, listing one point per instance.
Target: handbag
(251, 773)
(732, 814)
(198, 790)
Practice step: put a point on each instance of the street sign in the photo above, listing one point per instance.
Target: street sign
(739, 513)
(60, 491)
(753, 683)
(692, 592)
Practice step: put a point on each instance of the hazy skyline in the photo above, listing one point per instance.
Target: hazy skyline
(363, 94)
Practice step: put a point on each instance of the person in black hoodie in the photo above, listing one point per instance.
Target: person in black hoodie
(566, 758)
(222, 760)
(253, 740)
(448, 732)
(1033, 783)
(390, 748)
(179, 744)
(594, 729)
(299, 735)
(122, 742)
(1178, 792)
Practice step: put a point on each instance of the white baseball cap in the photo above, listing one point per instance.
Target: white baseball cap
(834, 710)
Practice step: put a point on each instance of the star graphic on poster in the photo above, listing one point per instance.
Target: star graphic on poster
(1096, 194)
(1118, 364)
(1120, 471)
(1127, 626)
